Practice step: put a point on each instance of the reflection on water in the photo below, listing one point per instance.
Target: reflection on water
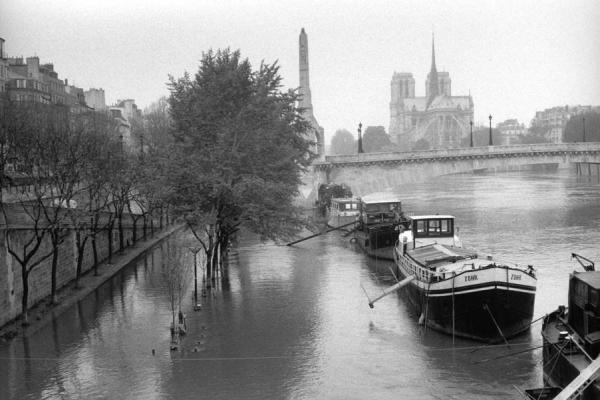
(294, 322)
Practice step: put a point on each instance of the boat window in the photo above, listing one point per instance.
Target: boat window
(420, 226)
(446, 226)
(434, 226)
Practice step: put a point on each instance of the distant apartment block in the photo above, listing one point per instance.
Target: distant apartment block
(26, 80)
(3, 68)
(95, 99)
(553, 120)
(511, 129)
(125, 112)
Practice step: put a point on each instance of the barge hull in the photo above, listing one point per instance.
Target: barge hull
(478, 314)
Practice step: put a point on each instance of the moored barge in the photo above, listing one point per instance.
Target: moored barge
(378, 224)
(571, 338)
(342, 211)
(458, 292)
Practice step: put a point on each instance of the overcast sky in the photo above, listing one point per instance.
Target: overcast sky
(515, 57)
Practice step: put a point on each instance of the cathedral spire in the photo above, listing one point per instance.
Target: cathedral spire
(433, 68)
(433, 87)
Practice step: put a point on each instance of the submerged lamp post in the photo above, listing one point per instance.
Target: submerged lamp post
(195, 251)
(490, 117)
(471, 123)
(360, 148)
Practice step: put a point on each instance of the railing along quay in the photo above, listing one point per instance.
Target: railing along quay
(546, 149)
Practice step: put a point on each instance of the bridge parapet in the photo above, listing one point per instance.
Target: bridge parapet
(462, 153)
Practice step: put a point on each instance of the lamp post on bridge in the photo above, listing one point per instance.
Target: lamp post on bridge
(360, 148)
(583, 129)
(491, 143)
(471, 123)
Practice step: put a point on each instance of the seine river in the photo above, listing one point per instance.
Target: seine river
(294, 322)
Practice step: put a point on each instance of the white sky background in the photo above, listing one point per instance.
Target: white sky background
(515, 57)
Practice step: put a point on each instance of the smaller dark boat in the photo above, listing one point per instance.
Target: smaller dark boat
(378, 224)
(571, 338)
(342, 211)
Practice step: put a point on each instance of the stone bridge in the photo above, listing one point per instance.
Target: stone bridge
(372, 172)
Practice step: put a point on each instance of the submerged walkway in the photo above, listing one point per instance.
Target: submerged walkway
(44, 312)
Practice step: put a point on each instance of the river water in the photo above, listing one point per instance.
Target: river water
(293, 322)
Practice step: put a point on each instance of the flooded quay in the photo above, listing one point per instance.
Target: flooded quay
(294, 323)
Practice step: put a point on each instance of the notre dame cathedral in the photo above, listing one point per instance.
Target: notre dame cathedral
(436, 121)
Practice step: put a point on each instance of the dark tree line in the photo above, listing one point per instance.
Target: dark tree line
(374, 139)
(583, 128)
(61, 173)
(225, 151)
(237, 149)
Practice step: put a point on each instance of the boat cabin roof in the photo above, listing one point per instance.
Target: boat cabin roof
(435, 254)
(380, 197)
(419, 217)
(344, 200)
(591, 278)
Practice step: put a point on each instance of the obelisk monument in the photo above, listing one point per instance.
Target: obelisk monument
(306, 101)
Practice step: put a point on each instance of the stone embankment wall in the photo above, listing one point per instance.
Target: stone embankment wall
(11, 287)
(588, 169)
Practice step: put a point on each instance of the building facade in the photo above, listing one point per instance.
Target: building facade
(552, 121)
(511, 129)
(95, 99)
(436, 121)
(3, 69)
(125, 112)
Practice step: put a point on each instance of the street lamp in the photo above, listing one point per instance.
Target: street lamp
(491, 144)
(471, 123)
(360, 148)
(195, 251)
(583, 129)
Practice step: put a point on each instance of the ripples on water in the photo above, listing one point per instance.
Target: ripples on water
(294, 322)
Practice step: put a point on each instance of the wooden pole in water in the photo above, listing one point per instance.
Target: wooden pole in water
(320, 233)
(391, 289)
(453, 316)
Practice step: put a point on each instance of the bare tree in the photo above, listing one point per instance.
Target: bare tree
(26, 211)
(176, 276)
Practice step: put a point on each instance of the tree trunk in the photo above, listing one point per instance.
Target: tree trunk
(54, 273)
(134, 229)
(121, 236)
(110, 244)
(80, 252)
(151, 226)
(145, 227)
(24, 298)
(95, 251)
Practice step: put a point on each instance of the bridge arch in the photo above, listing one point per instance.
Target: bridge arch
(372, 172)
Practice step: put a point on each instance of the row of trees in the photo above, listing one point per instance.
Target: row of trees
(226, 150)
(374, 139)
(579, 128)
(583, 128)
(60, 173)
